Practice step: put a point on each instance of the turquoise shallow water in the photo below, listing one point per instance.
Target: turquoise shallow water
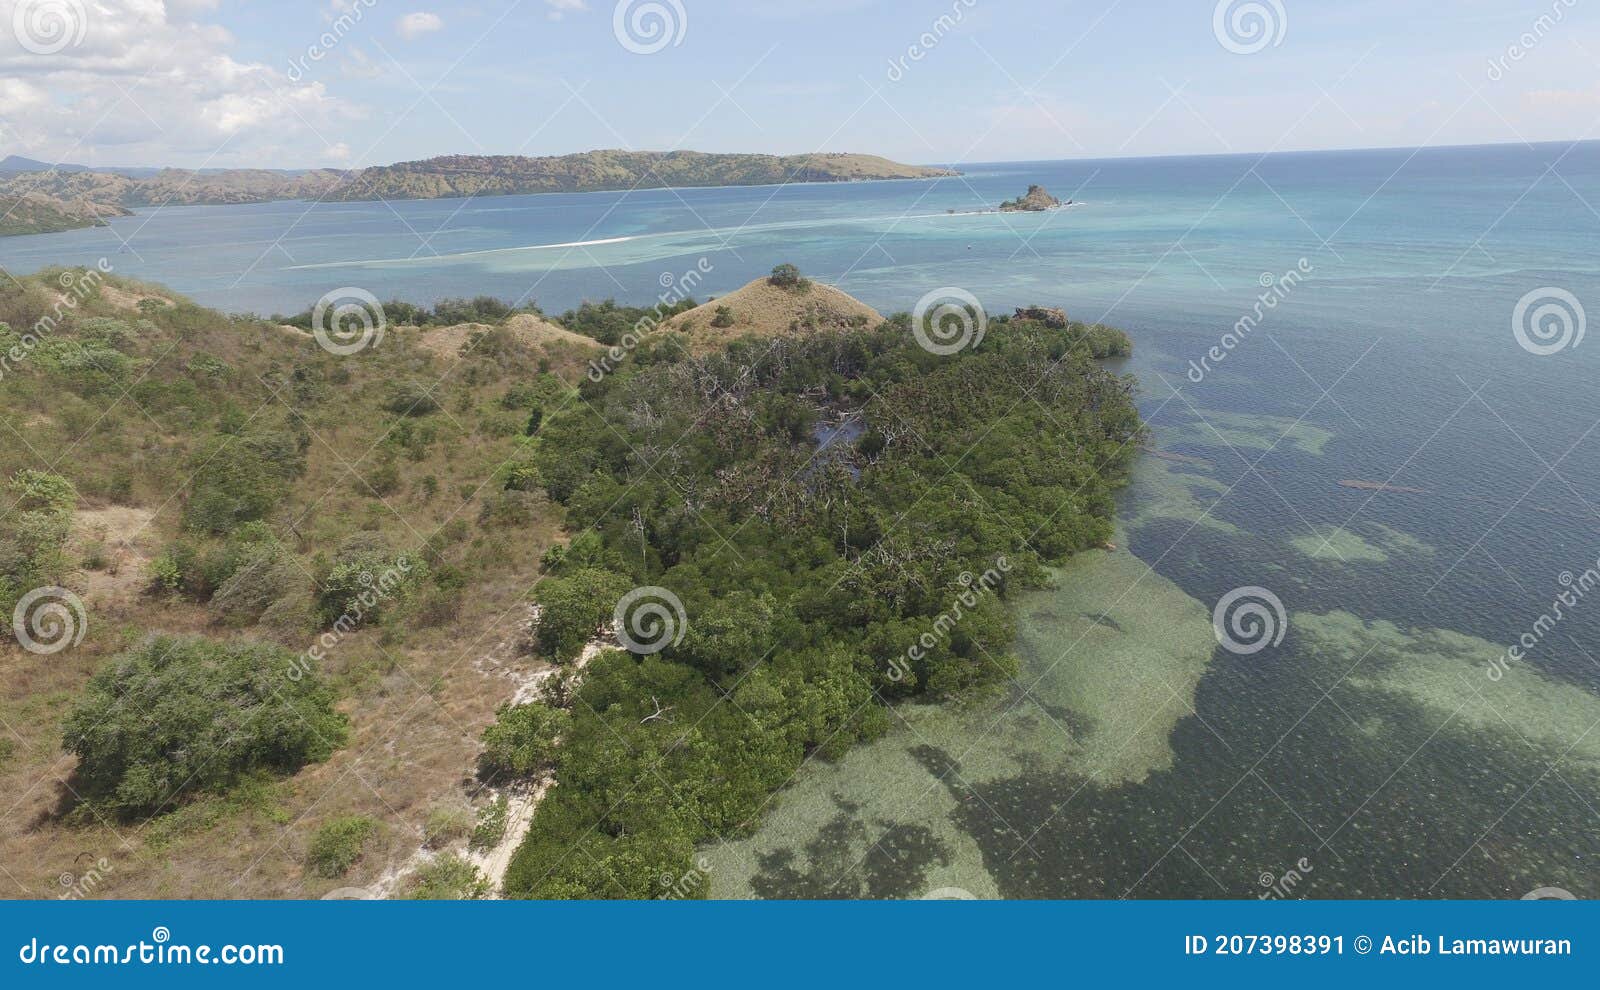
(1136, 757)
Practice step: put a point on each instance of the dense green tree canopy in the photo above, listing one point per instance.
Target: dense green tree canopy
(818, 583)
(182, 715)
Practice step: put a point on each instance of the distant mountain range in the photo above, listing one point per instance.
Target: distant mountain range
(60, 197)
(17, 163)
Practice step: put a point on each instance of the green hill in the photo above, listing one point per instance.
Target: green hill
(111, 194)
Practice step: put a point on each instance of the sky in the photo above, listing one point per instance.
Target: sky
(345, 83)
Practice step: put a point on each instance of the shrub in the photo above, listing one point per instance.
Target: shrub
(259, 583)
(574, 608)
(166, 573)
(383, 480)
(366, 580)
(411, 399)
(107, 331)
(182, 715)
(524, 477)
(40, 491)
(448, 878)
(206, 366)
(491, 826)
(200, 568)
(239, 479)
(511, 508)
(336, 846)
(786, 276)
(723, 317)
(32, 545)
(480, 309)
(445, 825)
(522, 741)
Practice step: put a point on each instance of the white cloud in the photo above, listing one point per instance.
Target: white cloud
(560, 8)
(357, 64)
(146, 84)
(18, 94)
(413, 26)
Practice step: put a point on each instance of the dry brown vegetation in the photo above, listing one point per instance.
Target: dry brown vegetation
(418, 691)
(762, 309)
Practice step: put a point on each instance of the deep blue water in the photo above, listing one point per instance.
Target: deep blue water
(1396, 354)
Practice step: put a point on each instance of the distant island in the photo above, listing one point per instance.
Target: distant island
(49, 199)
(1035, 201)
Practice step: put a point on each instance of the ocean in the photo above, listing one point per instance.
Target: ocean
(1386, 476)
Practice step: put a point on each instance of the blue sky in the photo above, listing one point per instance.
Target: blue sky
(253, 82)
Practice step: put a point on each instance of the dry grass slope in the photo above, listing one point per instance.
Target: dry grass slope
(762, 309)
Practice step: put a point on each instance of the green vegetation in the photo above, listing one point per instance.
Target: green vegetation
(491, 825)
(230, 479)
(522, 742)
(490, 175)
(252, 486)
(445, 825)
(32, 548)
(574, 607)
(365, 580)
(177, 716)
(609, 323)
(447, 878)
(444, 313)
(787, 276)
(239, 478)
(805, 579)
(337, 845)
(25, 211)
